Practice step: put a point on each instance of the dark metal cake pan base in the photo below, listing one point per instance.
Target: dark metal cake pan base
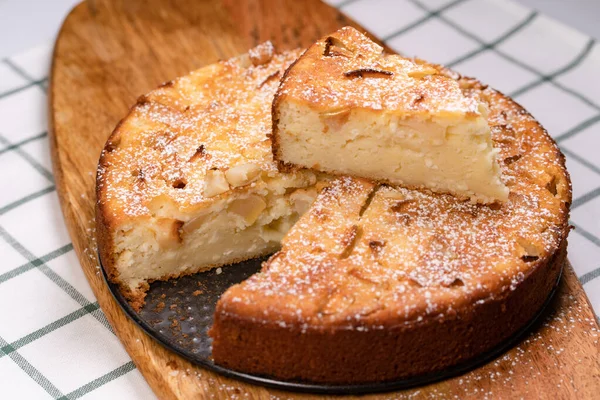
(178, 314)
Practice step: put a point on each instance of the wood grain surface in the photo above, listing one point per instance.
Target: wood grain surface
(111, 51)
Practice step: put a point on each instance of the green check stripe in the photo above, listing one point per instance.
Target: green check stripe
(430, 15)
(32, 196)
(345, 3)
(592, 238)
(496, 42)
(585, 278)
(64, 285)
(578, 60)
(22, 88)
(32, 371)
(581, 127)
(42, 170)
(24, 74)
(53, 276)
(74, 294)
(25, 340)
(572, 92)
(510, 58)
(585, 198)
(16, 245)
(96, 383)
(35, 263)
(23, 142)
(87, 308)
(581, 160)
(100, 317)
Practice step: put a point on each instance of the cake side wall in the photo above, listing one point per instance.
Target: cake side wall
(380, 355)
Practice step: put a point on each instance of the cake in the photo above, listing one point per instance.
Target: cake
(377, 283)
(370, 282)
(186, 182)
(346, 107)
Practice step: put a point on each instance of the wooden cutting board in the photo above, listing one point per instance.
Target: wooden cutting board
(109, 52)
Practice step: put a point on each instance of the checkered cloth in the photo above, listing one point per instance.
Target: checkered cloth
(54, 340)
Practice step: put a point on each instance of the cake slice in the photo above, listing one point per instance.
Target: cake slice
(378, 283)
(347, 108)
(187, 181)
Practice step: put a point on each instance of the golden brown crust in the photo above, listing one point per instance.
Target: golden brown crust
(364, 77)
(477, 275)
(160, 152)
(348, 71)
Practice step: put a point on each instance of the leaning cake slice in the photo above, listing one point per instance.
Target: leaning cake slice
(346, 107)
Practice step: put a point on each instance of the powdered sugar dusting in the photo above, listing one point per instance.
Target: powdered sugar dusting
(347, 70)
(223, 109)
(368, 257)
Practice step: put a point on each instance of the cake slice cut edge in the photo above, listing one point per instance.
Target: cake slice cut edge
(347, 108)
(187, 182)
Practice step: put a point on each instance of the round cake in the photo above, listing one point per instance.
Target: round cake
(374, 282)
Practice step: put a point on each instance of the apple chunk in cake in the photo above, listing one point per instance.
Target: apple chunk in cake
(187, 181)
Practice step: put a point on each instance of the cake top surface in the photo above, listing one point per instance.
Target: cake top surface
(369, 256)
(347, 70)
(192, 130)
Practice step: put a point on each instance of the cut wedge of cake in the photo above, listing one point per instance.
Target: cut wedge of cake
(187, 181)
(347, 108)
(376, 283)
